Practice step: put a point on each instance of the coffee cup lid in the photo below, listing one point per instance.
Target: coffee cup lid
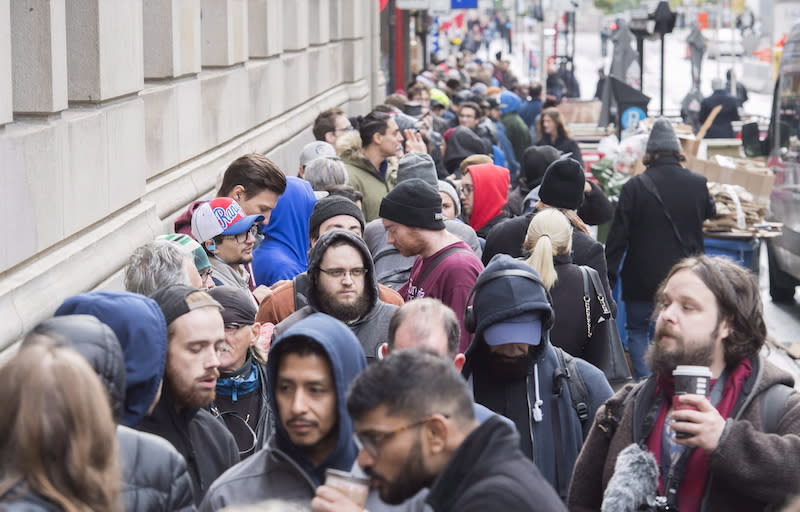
(692, 371)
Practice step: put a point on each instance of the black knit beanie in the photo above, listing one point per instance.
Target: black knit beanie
(413, 203)
(331, 206)
(562, 185)
(662, 138)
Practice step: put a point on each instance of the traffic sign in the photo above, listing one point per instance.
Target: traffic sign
(631, 116)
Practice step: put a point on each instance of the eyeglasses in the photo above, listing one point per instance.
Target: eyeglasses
(233, 326)
(340, 272)
(236, 424)
(242, 237)
(205, 274)
(346, 129)
(371, 440)
(467, 189)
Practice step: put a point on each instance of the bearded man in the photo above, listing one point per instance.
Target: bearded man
(342, 284)
(738, 448)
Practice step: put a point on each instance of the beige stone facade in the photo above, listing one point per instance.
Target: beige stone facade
(114, 114)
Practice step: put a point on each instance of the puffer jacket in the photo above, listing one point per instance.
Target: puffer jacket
(372, 329)
(371, 182)
(154, 474)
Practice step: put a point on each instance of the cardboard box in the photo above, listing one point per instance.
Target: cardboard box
(756, 180)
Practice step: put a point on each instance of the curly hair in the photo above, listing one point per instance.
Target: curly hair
(738, 300)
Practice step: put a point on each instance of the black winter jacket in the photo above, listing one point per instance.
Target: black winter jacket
(154, 474)
(641, 228)
(208, 447)
(489, 472)
(570, 328)
(563, 144)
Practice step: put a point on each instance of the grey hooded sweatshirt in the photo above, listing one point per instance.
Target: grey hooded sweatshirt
(371, 329)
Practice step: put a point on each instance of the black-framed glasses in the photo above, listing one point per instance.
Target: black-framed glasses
(337, 273)
(372, 440)
(205, 273)
(242, 237)
(238, 425)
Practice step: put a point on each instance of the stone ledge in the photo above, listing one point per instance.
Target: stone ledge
(32, 291)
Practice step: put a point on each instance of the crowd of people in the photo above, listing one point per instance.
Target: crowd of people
(413, 311)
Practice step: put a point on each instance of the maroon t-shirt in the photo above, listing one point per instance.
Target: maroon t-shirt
(450, 282)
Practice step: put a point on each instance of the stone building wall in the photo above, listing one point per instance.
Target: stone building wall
(115, 114)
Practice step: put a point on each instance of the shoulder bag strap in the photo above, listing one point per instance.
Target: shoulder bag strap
(438, 259)
(586, 301)
(648, 183)
(599, 291)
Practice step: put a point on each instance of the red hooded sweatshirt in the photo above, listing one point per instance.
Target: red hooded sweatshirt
(490, 183)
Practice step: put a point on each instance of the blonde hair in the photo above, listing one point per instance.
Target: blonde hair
(57, 436)
(474, 160)
(549, 234)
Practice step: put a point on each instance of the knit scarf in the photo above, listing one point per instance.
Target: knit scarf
(695, 475)
(243, 381)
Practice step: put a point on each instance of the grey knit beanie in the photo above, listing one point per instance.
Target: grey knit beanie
(417, 165)
(449, 189)
(662, 138)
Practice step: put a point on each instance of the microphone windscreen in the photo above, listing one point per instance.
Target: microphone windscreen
(634, 482)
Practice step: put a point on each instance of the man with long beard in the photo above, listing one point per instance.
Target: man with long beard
(196, 332)
(739, 448)
(515, 371)
(342, 284)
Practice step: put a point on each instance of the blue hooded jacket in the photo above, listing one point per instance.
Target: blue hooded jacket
(284, 252)
(347, 361)
(141, 330)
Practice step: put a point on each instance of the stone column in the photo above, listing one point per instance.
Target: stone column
(171, 38)
(104, 44)
(224, 32)
(38, 55)
(6, 84)
(265, 27)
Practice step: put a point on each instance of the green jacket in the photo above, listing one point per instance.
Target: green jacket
(364, 177)
(517, 132)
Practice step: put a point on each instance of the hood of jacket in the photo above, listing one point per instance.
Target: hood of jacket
(347, 360)
(288, 225)
(183, 224)
(490, 184)
(510, 102)
(315, 260)
(499, 298)
(141, 330)
(98, 344)
(462, 143)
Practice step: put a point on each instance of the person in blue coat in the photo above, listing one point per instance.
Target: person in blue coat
(284, 252)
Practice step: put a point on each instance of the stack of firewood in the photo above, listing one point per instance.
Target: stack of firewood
(736, 209)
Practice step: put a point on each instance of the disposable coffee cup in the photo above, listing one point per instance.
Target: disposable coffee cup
(694, 380)
(353, 487)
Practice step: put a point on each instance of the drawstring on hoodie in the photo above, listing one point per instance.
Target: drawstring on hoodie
(537, 405)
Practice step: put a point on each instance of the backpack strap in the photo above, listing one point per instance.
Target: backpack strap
(438, 259)
(773, 406)
(568, 369)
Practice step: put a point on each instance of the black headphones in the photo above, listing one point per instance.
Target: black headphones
(470, 322)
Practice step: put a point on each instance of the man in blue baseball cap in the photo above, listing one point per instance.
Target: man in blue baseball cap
(229, 238)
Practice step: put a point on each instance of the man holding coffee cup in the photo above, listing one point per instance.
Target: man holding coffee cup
(721, 422)
(309, 369)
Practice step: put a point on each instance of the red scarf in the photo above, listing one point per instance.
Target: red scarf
(693, 482)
